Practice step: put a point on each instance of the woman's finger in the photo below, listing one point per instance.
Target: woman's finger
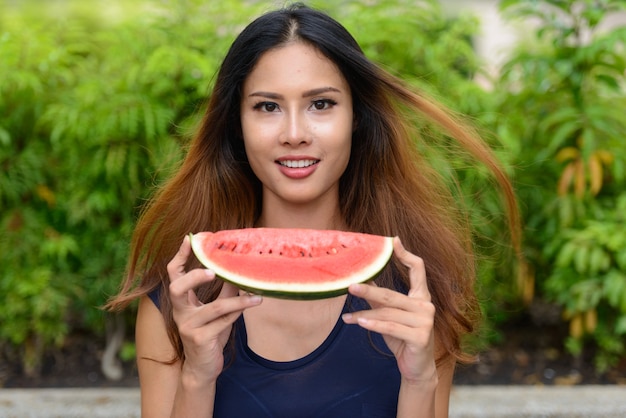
(390, 307)
(182, 288)
(379, 297)
(417, 271)
(176, 266)
(419, 315)
(226, 309)
(413, 335)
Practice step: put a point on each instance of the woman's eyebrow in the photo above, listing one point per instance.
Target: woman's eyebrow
(266, 94)
(321, 90)
(308, 93)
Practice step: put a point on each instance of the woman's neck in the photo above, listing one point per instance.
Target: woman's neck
(286, 330)
(301, 216)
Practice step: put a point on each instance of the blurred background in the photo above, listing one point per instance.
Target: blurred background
(98, 100)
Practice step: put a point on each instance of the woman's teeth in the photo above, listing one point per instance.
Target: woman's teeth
(297, 163)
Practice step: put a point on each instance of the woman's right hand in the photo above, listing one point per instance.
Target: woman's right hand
(204, 328)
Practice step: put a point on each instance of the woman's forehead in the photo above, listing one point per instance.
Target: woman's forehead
(295, 65)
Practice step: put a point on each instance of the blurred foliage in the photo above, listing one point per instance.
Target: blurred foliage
(93, 111)
(563, 94)
(98, 99)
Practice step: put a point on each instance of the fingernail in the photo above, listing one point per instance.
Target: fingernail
(356, 288)
(346, 316)
(256, 299)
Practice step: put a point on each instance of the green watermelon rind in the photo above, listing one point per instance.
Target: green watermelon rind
(309, 295)
(313, 291)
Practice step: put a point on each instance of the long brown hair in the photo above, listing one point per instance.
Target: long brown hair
(388, 188)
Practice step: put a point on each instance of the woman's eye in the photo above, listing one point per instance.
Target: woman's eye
(266, 106)
(323, 104)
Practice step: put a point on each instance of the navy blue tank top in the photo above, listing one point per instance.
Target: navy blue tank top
(351, 374)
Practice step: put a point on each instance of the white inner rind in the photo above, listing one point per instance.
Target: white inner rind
(358, 276)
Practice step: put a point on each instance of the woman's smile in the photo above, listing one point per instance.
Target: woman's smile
(297, 163)
(297, 167)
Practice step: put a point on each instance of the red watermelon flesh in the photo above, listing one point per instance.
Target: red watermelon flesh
(293, 263)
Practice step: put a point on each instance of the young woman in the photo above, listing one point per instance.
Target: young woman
(302, 130)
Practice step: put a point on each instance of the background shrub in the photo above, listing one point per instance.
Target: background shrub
(97, 105)
(562, 100)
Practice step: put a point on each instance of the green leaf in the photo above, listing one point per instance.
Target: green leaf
(615, 288)
(609, 81)
(620, 325)
(581, 260)
(566, 254)
(598, 261)
(5, 137)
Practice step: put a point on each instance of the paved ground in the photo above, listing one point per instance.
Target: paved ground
(466, 402)
(538, 401)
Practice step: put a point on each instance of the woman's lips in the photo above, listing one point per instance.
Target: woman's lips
(297, 168)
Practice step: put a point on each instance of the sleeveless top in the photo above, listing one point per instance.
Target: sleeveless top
(351, 374)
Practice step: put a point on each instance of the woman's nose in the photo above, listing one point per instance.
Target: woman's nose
(296, 129)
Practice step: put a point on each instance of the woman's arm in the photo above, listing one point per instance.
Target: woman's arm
(430, 398)
(158, 379)
(445, 371)
(185, 389)
(165, 390)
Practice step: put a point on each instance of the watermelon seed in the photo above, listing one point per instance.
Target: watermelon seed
(270, 251)
(302, 253)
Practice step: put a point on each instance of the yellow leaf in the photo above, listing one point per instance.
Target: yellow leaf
(605, 156)
(579, 179)
(567, 153)
(567, 314)
(576, 326)
(566, 179)
(46, 194)
(595, 174)
(591, 320)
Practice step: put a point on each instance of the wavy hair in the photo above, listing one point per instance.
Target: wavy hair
(388, 188)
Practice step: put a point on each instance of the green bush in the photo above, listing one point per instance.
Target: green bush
(563, 94)
(92, 113)
(96, 107)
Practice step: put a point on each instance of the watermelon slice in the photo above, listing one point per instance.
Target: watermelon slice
(292, 263)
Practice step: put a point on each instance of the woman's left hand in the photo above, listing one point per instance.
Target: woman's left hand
(405, 321)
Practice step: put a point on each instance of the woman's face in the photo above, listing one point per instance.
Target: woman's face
(296, 118)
